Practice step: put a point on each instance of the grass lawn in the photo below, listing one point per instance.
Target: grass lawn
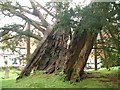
(93, 79)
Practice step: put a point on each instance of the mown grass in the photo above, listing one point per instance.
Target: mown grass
(40, 80)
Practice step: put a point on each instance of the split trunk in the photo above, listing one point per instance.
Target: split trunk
(52, 54)
(79, 51)
(49, 55)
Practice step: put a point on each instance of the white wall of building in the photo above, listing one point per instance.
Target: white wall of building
(13, 59)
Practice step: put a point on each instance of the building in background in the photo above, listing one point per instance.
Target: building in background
(16, 58)
(91, 61)
(12, 58)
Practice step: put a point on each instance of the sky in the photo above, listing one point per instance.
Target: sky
(17, 20)
(11, 20)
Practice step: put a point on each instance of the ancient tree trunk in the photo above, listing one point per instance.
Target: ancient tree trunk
(52, 55)
(49, 55)
(79, 51)
(52, 58)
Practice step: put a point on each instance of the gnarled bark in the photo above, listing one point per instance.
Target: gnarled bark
(78, 55)
(49, 55)
(52, 55)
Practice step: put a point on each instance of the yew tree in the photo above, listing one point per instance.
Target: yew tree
(79, 25)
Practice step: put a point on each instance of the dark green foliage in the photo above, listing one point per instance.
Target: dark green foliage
(94, 18)
(90, 18)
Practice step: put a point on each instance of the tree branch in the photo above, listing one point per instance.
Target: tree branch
(12, 9)
(32, 22)
(29, 34)
(45, 9)
(38, 13)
